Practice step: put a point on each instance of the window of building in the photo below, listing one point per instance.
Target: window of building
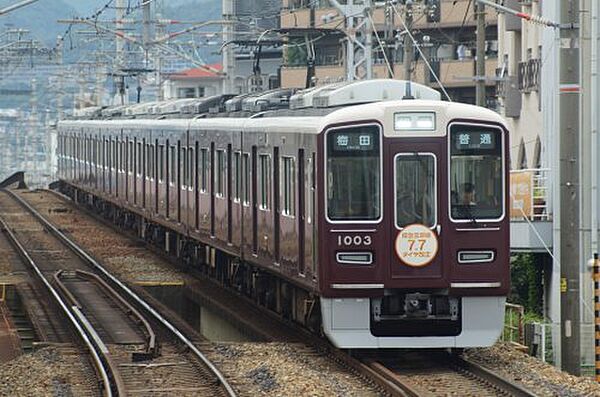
(187, 92)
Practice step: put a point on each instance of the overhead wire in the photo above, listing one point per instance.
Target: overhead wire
(418, 47)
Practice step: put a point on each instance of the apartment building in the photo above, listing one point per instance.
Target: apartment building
(444, 29)
(519, 71)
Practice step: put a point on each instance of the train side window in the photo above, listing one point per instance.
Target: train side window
(183, 166)
(237, 176)
(288, 184)
(173, 165)
(204, 169)
(220, 173)
(247, 179)
(190, 173)
(161, 163)
(264, 182)
(139, 159)
(111, 156)
(150, 162)
(311, 190)
(130, 158)
(105, 151)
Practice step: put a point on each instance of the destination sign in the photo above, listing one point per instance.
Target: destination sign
(346, 141)
(470, 140)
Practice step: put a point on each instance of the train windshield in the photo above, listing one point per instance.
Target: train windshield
(415, 189)
(354, 174)
(476, 173)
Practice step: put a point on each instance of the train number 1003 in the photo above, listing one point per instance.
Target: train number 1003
(345, 241)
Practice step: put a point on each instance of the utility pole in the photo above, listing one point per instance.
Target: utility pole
(480, 62)
(569, 103)
(409, 46)
(59, 82)
(390, 38)
(120, 93)
(359, 38)
(228, 50)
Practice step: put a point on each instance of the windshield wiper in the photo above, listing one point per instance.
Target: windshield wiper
(468, 212)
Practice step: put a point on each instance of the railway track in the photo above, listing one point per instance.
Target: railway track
(122, 342)
(437, 373)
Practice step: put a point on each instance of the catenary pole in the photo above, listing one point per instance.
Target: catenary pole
(569, 156)
(480, 61)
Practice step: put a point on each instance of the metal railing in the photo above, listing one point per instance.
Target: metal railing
(513, 324)
(530, 191)
(529, 75)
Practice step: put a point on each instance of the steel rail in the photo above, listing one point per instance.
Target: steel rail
(158, 317)
(98, 364)
(493, 378)
(132, 311)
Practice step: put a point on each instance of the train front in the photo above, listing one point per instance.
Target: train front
(414, 232)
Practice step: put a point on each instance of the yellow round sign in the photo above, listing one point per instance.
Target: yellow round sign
(416, 245)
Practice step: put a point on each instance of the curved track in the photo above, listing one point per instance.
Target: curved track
(186, 368)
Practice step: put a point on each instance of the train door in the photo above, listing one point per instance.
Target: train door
(254, 161)
(301, 212)
(276, 206)
(413, 201)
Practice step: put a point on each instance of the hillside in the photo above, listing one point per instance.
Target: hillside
(41, 18)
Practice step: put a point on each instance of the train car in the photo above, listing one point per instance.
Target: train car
(372, 211)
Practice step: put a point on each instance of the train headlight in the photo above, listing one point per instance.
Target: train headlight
(415, 121)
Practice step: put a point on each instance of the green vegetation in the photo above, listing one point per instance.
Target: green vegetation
(527, 285)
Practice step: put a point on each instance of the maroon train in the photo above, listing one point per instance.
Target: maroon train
(378, 217)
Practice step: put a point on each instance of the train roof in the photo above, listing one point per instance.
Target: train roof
(288, 110)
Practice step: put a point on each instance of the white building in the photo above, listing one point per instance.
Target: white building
(194, 83)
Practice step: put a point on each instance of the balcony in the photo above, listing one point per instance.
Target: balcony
(297, 14)
(301, 18)
(529, 75)
(452, 73)
(530, 213)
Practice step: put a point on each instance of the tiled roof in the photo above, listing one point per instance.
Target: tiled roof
(197, 73)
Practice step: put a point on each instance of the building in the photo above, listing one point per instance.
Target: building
(251, 62)
(444, 29)
(194, 83)
(519, 86)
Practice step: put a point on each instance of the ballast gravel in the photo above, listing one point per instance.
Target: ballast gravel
(50, 371)
(539, 377)
(286, 369)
